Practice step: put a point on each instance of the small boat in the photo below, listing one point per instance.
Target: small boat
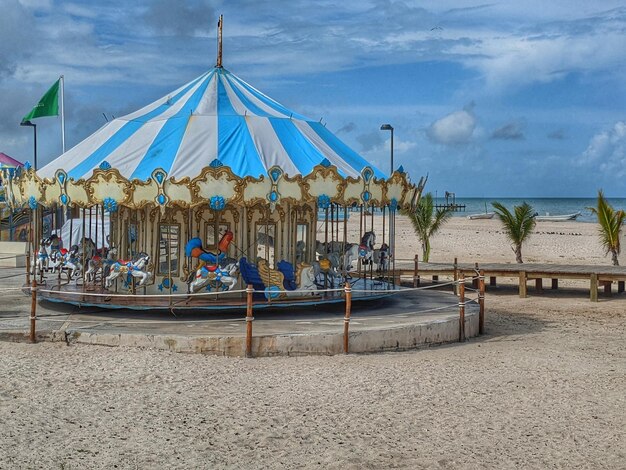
(556, 218)
(483, 215)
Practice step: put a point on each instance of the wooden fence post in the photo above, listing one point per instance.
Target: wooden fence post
(455, 276)
(481, 301)
(346, 318)
(593, 287)
(28, 268)
(522, 284)
(249, 319)
(462, 307)
(33, 311)
(475, 278)
(416, 278)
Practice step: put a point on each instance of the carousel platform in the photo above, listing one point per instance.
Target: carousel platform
(96, 296)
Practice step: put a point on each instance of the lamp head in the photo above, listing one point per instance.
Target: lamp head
(27, 123)
(386, 127)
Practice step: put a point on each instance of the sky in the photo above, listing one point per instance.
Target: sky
(501, 99)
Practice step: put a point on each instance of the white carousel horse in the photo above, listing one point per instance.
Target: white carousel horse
(305, 280)
(366, 247)
(134, 268)
(56, 261)
(221, 278)
(42, 258)
(70, 261)
(96, 264)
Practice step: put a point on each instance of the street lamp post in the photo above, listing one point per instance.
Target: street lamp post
(34, 126)
(388, 127)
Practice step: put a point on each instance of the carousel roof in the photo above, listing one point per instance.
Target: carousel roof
(216, 116)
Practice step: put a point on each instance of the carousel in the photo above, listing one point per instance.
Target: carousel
(212, 188)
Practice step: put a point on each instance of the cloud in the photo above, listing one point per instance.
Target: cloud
(558, 134)
(179, 17)
(347, 128)
(455, 128)
(607, 151)
(511, 131)
(370, 140)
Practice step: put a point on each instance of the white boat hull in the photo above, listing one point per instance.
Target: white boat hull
(556, 218)
(485, 215)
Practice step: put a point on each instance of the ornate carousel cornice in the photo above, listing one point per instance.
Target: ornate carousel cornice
(216, 187)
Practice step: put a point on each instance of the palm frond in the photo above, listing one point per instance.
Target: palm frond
(518, 224)
(610, 224)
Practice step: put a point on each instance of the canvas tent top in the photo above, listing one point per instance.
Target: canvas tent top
(215, 116)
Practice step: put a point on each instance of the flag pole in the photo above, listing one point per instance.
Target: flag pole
(63, 112)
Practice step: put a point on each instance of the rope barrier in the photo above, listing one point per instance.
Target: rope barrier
(240, 291)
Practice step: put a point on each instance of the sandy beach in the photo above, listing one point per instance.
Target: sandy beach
(543, 388)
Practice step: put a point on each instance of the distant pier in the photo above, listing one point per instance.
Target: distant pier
(450, 203)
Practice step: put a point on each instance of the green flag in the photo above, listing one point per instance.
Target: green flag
(48, 105)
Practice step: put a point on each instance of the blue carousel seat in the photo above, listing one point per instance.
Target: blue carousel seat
(289, 274)
(250, 275)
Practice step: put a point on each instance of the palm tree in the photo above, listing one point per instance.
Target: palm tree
(518, 225)
(610, 225)
(427, 221)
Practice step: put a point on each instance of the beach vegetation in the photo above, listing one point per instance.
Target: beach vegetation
(610, 224)
(518, 225)
(426, 221)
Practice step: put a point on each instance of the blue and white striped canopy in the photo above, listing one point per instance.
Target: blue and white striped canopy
(215, 116)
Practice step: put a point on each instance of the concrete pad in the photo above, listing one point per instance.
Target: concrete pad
(409, 320)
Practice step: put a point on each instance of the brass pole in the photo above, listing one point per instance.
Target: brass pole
(249, 319)
(33, 311)
(346, 318)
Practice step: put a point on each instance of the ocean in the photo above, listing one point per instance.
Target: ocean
(543, 206)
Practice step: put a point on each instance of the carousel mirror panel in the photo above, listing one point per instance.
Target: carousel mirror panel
(302, 241)
(214, 233)
(265, 241)
(169, 236)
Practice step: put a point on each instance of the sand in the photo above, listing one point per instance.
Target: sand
(543, 388)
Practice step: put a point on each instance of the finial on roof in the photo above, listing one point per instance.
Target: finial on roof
(219, 41)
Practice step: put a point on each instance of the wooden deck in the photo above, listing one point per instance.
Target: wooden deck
(597, 275)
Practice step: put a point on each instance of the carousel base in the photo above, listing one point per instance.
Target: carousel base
(97, 296)
(412, 319)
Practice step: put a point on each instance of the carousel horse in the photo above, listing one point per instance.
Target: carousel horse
(325, 267)
(87, 248)
(70, 261)
(97, 263)
(366, 247)
(193, 249)
(56, 258)
(223, 279)
(350, 256)
(42, 259)
(132, 268)
(305, 279)
(381, 258)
